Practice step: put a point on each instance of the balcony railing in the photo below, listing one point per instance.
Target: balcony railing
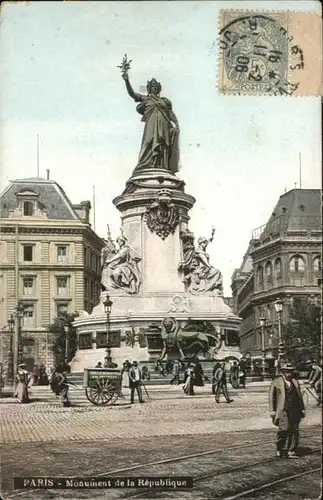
(287, 223)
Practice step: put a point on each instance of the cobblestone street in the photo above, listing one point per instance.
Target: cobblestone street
(88, 440)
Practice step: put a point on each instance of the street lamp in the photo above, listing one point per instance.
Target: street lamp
(279, 310)
(107, 303)
(66, 329)
(11, 326)
(15, 356)
(262, 322)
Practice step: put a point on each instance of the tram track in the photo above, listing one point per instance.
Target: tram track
(271, 484)
(178, 459)
(227, 471)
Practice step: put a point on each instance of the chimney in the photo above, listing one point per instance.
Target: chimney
(83, 210)
(47, 176)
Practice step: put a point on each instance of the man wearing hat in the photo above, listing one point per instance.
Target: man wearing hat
(135, 381)
(286, 410)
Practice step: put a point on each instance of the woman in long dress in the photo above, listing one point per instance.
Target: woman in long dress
(21, 392)
(188, 387)
(160, 145)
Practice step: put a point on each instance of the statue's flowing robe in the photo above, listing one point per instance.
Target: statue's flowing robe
(160, 141)
(204, 278)
(127, 271)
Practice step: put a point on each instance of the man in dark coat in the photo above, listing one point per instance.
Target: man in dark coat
(220, 382)
(198, 374)
(286, 410)
(59, 383)
(135, 381)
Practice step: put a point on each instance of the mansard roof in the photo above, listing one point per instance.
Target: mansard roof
(50, 196)
(296, 210)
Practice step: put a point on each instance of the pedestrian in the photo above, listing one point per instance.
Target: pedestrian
(315, 379)
(234, 375)
(135, 381)
(43, 377)
(176, 371)
(22, 377)
(61, 383)
(198, 374)
(220, 380)
(145, 373)
(125, 384)
(214, 381)
(242, 374)
(35, 375)
(286, 410)
(188, 387)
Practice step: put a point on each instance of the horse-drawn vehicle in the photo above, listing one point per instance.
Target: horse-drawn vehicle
(102, 385)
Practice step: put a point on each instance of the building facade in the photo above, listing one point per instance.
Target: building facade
(283, 261)
(50, 263)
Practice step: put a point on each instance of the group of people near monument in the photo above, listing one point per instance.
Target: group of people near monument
(190, 374)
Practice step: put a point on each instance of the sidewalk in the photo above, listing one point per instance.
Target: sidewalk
(43, 393)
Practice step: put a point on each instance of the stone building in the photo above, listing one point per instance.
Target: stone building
(50, 262)
(283, 261)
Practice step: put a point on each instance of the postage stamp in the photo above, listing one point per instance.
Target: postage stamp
(270, 53)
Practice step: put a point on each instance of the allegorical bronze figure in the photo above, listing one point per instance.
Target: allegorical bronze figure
(160, 145)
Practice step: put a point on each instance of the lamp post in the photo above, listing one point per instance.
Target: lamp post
(15, 355)
(262, 322)
(11, 326)
(107, 309)
(66, 329)
(279, 310)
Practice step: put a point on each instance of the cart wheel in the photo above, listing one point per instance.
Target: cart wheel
(101, 393)
(110, 393)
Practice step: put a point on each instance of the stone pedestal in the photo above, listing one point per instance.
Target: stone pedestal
(154, 212)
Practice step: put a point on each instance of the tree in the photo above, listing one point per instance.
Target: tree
(60, 337)
(302, 333)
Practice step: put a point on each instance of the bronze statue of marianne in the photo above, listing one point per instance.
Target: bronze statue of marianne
(160, 141)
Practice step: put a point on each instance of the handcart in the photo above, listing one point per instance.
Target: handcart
(102, 385)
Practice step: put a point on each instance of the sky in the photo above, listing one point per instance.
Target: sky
(59, 80)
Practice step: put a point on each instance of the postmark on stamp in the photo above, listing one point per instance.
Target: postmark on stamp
(275, 53)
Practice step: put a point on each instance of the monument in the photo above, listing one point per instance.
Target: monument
(167, 297)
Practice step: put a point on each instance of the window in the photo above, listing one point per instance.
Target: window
(61, 309)
(86, 290)
(260, 277)
(268, 270)
(62, 254)
(92, 290)
(28, 315)
(62, 287)
(28, 253)
(278, 268)
(28, 208)
(296, 264)
(28, 286)
(29, 353)
(317, 264)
